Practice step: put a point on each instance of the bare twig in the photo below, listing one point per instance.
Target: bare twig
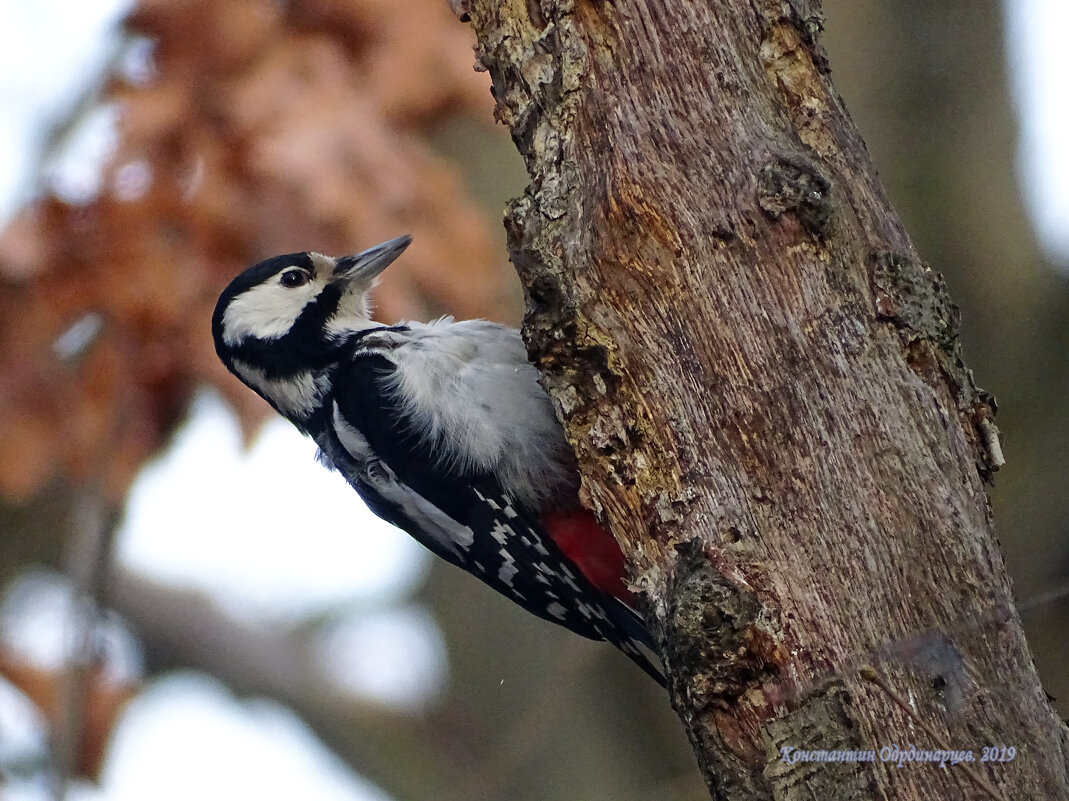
(90, 552)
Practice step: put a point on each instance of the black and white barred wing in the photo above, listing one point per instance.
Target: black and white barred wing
(462, 514)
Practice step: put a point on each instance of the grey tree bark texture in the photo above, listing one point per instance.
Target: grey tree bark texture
(764, 388)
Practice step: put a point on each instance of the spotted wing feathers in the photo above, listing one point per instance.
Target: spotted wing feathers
(460, 512)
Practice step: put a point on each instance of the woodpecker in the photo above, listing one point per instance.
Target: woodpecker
(441, 427)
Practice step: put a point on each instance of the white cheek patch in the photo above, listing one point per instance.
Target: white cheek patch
(296, 396)
(266, 311)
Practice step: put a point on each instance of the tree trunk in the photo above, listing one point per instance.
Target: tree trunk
(763, 384)
(941, 128)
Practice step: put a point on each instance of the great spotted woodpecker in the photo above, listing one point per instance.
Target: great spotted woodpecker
(441, 427)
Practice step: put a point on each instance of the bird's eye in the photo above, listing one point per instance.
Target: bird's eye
(294, 278)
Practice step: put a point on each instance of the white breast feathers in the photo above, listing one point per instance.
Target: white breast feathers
(469, 386)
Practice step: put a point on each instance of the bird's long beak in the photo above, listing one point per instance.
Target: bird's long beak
(366, 266)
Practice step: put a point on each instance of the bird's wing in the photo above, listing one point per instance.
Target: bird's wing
(461, 513)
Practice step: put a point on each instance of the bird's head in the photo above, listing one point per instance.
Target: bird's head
(286, 319)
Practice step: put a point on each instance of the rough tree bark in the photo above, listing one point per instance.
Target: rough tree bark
(763, 384)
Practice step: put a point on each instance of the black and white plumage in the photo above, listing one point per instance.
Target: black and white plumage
(441, 427)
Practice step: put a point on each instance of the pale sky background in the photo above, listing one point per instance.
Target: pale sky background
(49, 51)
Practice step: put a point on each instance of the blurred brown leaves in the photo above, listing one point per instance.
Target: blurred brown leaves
(104, 699)
(257, 128)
